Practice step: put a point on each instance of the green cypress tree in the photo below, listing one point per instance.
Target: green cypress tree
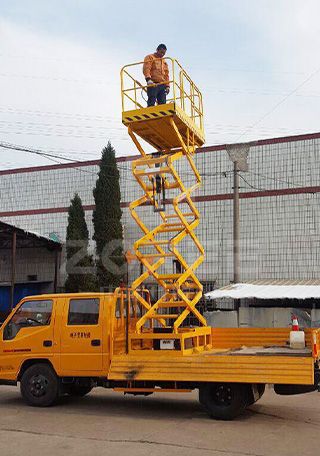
(108, 232)
(79, 263)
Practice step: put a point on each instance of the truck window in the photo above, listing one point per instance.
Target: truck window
(30, 314)
(83, 312)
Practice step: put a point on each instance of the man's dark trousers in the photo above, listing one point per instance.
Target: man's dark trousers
(157, 93)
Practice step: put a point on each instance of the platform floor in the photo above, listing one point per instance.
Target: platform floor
(153, 125)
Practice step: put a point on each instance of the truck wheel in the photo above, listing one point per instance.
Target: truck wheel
(224, 401)
(79, 391)
(39, 386)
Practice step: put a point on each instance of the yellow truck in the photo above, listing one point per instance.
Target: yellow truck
(67, 344)
(60, 344)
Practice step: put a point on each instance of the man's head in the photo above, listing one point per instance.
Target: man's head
(161, 50)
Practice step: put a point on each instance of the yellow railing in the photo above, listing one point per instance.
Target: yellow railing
(183, 91)
(128, 310)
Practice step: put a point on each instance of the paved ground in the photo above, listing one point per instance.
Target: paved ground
(107, 423)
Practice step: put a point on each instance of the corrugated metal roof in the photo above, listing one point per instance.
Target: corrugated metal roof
(6, 230)
(269, 289)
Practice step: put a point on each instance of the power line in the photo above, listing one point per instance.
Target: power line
(51, 125)
(280, 103)
(59, 130)
(276, 179)
(11, 110)
(251, 186)
(211, 128)
(60, 135)
(214, 128)
(52, 157)
(59, 79)
(237, 91)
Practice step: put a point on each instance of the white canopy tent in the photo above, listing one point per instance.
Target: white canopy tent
(273, 289)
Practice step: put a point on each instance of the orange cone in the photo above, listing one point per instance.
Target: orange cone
(295, 324)
(315, 346)
(297, 336)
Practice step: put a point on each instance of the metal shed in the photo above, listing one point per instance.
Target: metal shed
(20, 268)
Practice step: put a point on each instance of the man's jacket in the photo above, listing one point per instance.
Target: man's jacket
(156, 69)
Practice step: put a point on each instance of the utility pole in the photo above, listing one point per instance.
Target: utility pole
(238, 154)
(236, 225)
(13, 267)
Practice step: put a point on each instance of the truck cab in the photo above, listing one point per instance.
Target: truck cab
(71, 332)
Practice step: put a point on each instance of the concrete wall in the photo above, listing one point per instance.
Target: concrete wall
(262, 317)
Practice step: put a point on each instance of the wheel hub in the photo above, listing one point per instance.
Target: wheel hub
(38, 385)
(223, 395)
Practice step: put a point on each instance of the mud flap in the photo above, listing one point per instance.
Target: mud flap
(255, 392)
(8, 382)
(288, 390)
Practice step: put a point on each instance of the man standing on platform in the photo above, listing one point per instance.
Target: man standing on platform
(156, 71)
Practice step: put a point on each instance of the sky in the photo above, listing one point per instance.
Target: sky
(256, 61)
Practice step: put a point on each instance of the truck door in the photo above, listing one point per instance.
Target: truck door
(28, 334)
(81, 337)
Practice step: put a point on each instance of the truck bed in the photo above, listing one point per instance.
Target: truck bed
(259, 365)
(249, 355)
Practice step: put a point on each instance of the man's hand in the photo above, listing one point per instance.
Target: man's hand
(167, 90)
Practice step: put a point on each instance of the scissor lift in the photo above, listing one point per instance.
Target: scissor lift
(174, 130)
(141, 347)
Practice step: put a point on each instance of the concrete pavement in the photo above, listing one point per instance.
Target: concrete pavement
(108, 423)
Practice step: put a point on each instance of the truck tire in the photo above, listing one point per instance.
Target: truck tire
(39, 386)
(224, 401)
(78, 390)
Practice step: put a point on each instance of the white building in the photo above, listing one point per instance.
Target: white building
(280, 201)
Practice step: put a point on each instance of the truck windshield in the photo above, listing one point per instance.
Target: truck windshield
(30, 314)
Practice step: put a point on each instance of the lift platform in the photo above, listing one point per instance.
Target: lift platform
(174, 130)
(154, 124)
